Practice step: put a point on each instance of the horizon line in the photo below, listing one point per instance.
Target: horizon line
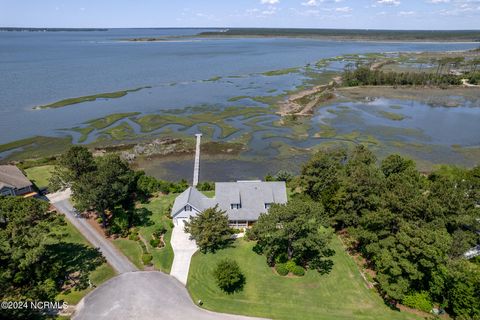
(226, 27)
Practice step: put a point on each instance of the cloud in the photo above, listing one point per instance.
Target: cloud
(316, 3)
(406, 13)
(257, 13)
(343, 9)
(310, 3)
(438, 1)
(389, 2)
(271, 2)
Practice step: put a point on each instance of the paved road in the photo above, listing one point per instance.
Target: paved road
(143, 296)
(183, 249)
(116, 259)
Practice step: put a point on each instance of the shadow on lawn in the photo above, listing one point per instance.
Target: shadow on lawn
(322, 264)
(71, 264)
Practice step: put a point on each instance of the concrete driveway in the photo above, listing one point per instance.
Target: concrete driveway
(115, 258)
(183, 249)
(143, 296)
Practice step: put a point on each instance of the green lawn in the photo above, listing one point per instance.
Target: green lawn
(40, 175)
(97, 277)
(341, 294)
(162, 258)
(131, 249)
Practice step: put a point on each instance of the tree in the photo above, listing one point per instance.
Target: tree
(35, 261)
(321, 175)
(111, 184)
(407, 260)
(297, 230)
(464, 289)
(209, 229)
(228, 275)
(395, 164)
(360, 186)
(284, 175)
(412, 229)
(25, 226)
(72, 165)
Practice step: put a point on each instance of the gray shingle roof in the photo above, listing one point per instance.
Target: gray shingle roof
(252, 195)
(12, 177)
(194, 198)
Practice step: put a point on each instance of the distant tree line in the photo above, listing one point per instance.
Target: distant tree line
(413, 229)
(365, 76)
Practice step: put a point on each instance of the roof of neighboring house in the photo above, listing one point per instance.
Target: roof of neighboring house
(252, 195)
(194, 198)
(12, 177)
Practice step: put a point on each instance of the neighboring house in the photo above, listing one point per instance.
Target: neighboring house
(13, 182)
(243, 201)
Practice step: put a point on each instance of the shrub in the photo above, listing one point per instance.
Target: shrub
(228, 275)
(147, 259)
(281, 258)
(418, 300)
(161, 231)
(281, 269)
(206, 186)
(249, 235)
(298, 271)
(154, 242)
(133, 237)
(290, 265)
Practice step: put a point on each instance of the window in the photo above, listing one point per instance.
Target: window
(236, 206)
(268, 205)
(188, 208)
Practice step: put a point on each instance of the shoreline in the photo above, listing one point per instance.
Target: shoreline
(306, 37)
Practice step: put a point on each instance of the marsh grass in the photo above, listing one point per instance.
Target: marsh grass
(90, 98)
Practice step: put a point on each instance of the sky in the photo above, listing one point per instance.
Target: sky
(345, 14)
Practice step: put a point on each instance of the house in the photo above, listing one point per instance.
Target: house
(13, 182)
(243, 201)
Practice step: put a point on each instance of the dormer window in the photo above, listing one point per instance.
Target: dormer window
(236, 206)
(188, 207)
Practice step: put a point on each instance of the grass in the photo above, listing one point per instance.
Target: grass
(121, 132)
(153, 122)
(213, 79)
(97, 277)
(84, 133)
(237, 98)
(162, 258)
(36, 147)
(76, 100)
(104, 122)
(326, 132)
(341, 294)
(281, 72)
(392, 116)
(131, 249)
(40, 175)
